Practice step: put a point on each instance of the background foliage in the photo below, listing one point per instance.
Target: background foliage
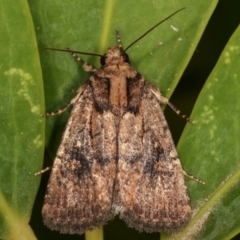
(208, 149)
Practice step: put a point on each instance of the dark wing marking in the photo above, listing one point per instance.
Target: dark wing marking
(80, 188)
(150, 192)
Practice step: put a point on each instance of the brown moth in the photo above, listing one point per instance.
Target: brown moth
(117, 155)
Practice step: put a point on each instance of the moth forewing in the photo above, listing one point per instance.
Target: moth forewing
(150, 191)
(80, 188)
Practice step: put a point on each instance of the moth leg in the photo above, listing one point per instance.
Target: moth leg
(61, 110)
(42, 171)
(165, 101)
(86, 66)
(189, 120)
(179, 112)
(192, 177)
(58, 112)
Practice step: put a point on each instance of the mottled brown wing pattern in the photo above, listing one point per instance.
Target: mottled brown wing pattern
(116, 156)
(80, 188)
(150, 192)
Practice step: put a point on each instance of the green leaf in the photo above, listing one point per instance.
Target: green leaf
(210, 150)
(22, 128)
(90, 26)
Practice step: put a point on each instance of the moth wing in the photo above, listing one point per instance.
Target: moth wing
(80, 188)
(150, 193)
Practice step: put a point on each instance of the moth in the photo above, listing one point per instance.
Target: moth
(117, 156)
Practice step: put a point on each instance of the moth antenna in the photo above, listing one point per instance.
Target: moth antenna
(72, 51)
(119, 39)
(153, 28)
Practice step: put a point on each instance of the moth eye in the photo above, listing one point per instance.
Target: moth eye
(126, 58)
(102, 60)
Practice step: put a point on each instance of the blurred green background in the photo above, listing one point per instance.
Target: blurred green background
(221, 26)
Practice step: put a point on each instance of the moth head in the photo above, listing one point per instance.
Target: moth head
(114, 56)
